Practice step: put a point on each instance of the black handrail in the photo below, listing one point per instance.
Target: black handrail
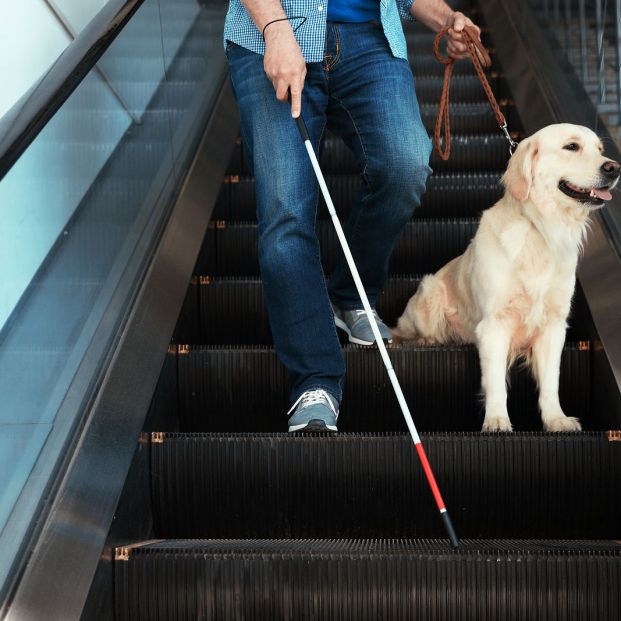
(25, 120)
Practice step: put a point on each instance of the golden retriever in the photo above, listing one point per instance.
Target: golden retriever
(510, 292)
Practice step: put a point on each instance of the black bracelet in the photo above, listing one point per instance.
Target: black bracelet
(284, 19)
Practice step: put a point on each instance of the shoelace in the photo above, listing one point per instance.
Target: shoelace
(363, 312)
(313, 397)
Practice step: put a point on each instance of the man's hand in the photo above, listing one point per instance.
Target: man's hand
(438, 15)
(284, 64)
(456, 48)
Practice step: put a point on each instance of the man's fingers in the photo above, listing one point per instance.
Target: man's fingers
(282, 90)
(290, 94)
(457, 50)
(454, 35)
(296, 88)
(457, 46)
(459, 22)
(296, 102)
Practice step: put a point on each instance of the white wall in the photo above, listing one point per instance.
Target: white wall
(24, 59)
(78, 13)
(32, 38)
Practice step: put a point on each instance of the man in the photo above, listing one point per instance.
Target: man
(343, 64)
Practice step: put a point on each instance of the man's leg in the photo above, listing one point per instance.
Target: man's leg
(373, 106)
(286, 194)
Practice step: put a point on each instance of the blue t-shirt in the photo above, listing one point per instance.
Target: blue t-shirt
(353, 10)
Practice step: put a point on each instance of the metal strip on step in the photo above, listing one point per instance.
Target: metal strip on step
(448, 195)
(122, 553)
(423, 247)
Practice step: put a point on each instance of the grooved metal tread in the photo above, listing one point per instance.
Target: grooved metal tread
(245, 388)
(482, 152)
(425, 63)
(347, 580)
(448, 195)
(419, 38)
(231, 310)
(472, 152)
(231, 249)
(467, 88)
(512, 485)
(318, 548)
(466, 117)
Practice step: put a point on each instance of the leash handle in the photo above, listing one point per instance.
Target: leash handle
(480, 59)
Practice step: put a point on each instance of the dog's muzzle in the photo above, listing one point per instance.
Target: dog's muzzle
(596, 195)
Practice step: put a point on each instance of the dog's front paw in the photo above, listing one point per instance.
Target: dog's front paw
(562, 423)
(395, 337)
(497, 423)
(426, 341)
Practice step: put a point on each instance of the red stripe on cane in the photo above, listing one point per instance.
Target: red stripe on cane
(429, 474)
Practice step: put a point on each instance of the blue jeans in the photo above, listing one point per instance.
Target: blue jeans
(365, 95)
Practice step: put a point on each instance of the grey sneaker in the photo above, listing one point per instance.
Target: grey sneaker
(357, 325)
(315, 410)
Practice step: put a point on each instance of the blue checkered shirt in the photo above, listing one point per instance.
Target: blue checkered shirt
(239, 27)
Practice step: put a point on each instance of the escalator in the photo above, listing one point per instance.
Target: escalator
(253, 523)
(221, 514)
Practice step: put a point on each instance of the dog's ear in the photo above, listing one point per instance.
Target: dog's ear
(518, 177)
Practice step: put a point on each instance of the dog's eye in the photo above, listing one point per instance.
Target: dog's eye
(572, 146)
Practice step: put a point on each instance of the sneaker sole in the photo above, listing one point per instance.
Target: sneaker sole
(314, 425)
(352, 339)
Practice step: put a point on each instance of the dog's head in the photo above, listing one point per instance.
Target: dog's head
(562, 164)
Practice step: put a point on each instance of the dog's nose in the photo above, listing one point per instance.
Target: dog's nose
(611, 168)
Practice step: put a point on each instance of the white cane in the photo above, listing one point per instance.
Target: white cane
(378, 338)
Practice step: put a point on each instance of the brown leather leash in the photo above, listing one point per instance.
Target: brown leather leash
(480, 58)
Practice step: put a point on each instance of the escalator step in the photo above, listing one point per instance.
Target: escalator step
(230, 311)
(466, 118)
(187, 329)
(369, 580)
(448, 195)
(486, 152)
(424, 247)
(420, 38)
(472, 153)
(425, 63)
(467, 88)
(467, 121)
(512, 485)
(245, 389)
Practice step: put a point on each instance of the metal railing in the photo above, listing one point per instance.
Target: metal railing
(589, 34)
(25, 120)
(92, 159)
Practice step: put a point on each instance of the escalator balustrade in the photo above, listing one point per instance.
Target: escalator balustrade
(254, 523)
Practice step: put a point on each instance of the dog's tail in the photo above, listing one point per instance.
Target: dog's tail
(424, 316)
(405, 330)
